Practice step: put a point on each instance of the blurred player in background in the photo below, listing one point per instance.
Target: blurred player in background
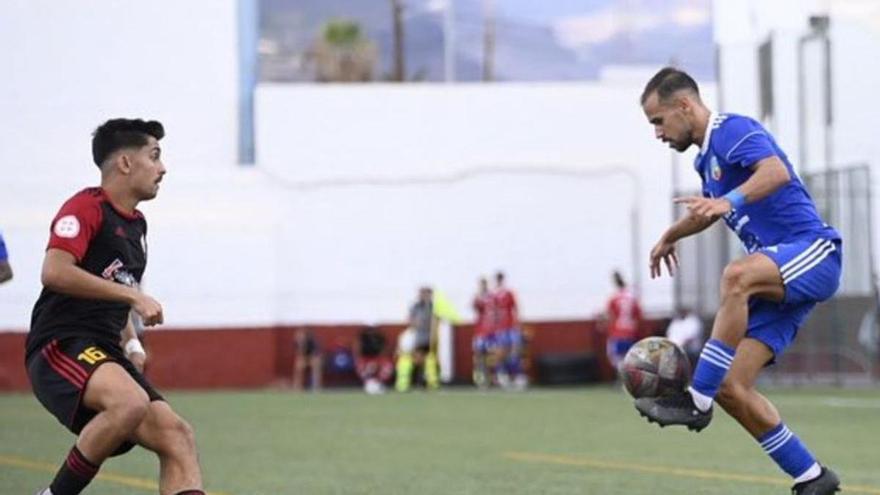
(484, 341)
(374, 367)
(5, 267)
(686, 330)
(623, 319)
(418, 348)
(510, 371)
(793, 261)
(307, 356)
(91, 273)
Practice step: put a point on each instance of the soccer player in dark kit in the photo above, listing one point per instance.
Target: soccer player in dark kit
(81, 345)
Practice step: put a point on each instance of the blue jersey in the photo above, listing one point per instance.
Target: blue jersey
(3, 254)
(733, 144)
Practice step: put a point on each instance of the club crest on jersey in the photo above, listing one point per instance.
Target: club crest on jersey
(67, 227)
(716, 168)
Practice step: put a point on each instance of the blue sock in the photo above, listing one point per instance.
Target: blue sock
(713, 364)
(513, 365)
(787, 450)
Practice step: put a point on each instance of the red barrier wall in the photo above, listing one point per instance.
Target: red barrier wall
(259, 357)
(12, 373)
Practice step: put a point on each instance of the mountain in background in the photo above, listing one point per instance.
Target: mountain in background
(525, 50)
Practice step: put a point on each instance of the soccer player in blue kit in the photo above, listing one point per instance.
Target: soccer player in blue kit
(793, 261)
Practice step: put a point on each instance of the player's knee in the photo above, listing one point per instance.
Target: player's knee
(178, 439)
(186, 436)
(734, 282)
(129, 411)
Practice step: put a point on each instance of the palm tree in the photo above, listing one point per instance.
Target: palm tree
(343, 53)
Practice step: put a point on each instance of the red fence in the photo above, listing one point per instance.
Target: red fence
(260, 357)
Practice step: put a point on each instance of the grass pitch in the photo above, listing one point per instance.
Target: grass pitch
(563, 441)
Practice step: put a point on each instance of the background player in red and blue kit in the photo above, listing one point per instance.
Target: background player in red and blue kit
(509, 335)
(484, 341)
(792, 261)
(5, 268)
(91, 273)
(624, 315)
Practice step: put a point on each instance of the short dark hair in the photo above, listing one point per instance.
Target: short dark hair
(116, 134)
(667, 82)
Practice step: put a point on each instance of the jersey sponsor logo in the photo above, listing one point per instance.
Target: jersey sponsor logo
(111, 269)
(67, 227)
(125, 278)
(115, 273)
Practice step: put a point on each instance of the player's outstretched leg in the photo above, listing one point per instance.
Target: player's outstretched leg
(122, 404)
(173, 440)
(739, 398)
(755, 275)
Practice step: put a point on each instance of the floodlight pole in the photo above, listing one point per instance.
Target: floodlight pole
(399, 73)
(449, 41)
(819, 26)
(488, 40)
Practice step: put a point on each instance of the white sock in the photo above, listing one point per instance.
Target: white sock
(703, 402)
(812, 473)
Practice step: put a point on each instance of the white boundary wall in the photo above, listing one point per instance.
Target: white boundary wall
(239, 246)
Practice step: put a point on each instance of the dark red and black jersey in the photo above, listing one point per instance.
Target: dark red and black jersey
(106, 242)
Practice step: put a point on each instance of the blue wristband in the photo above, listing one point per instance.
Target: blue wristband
(736, 198)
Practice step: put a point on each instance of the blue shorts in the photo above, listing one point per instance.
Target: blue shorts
(485, 344)
(511, 338)
(810, 272)
(617, 348)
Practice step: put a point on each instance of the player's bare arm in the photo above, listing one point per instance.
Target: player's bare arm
(61, 274)
(664, 250)
(129, 341)
(768, 176)
(5, 271)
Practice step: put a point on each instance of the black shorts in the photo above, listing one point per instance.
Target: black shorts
(61, 370)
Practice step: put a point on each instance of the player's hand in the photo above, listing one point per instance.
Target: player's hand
(663, 251)
(149, 309)
(705, 207)
(138, 360)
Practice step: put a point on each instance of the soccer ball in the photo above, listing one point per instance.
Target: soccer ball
(655, 366)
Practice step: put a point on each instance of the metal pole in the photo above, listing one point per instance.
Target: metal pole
(248, 65)
(802, 102)
(636, 243)
(399, 56)
(829, 103)
(449, 41)
(677, 282)
(488, 40)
